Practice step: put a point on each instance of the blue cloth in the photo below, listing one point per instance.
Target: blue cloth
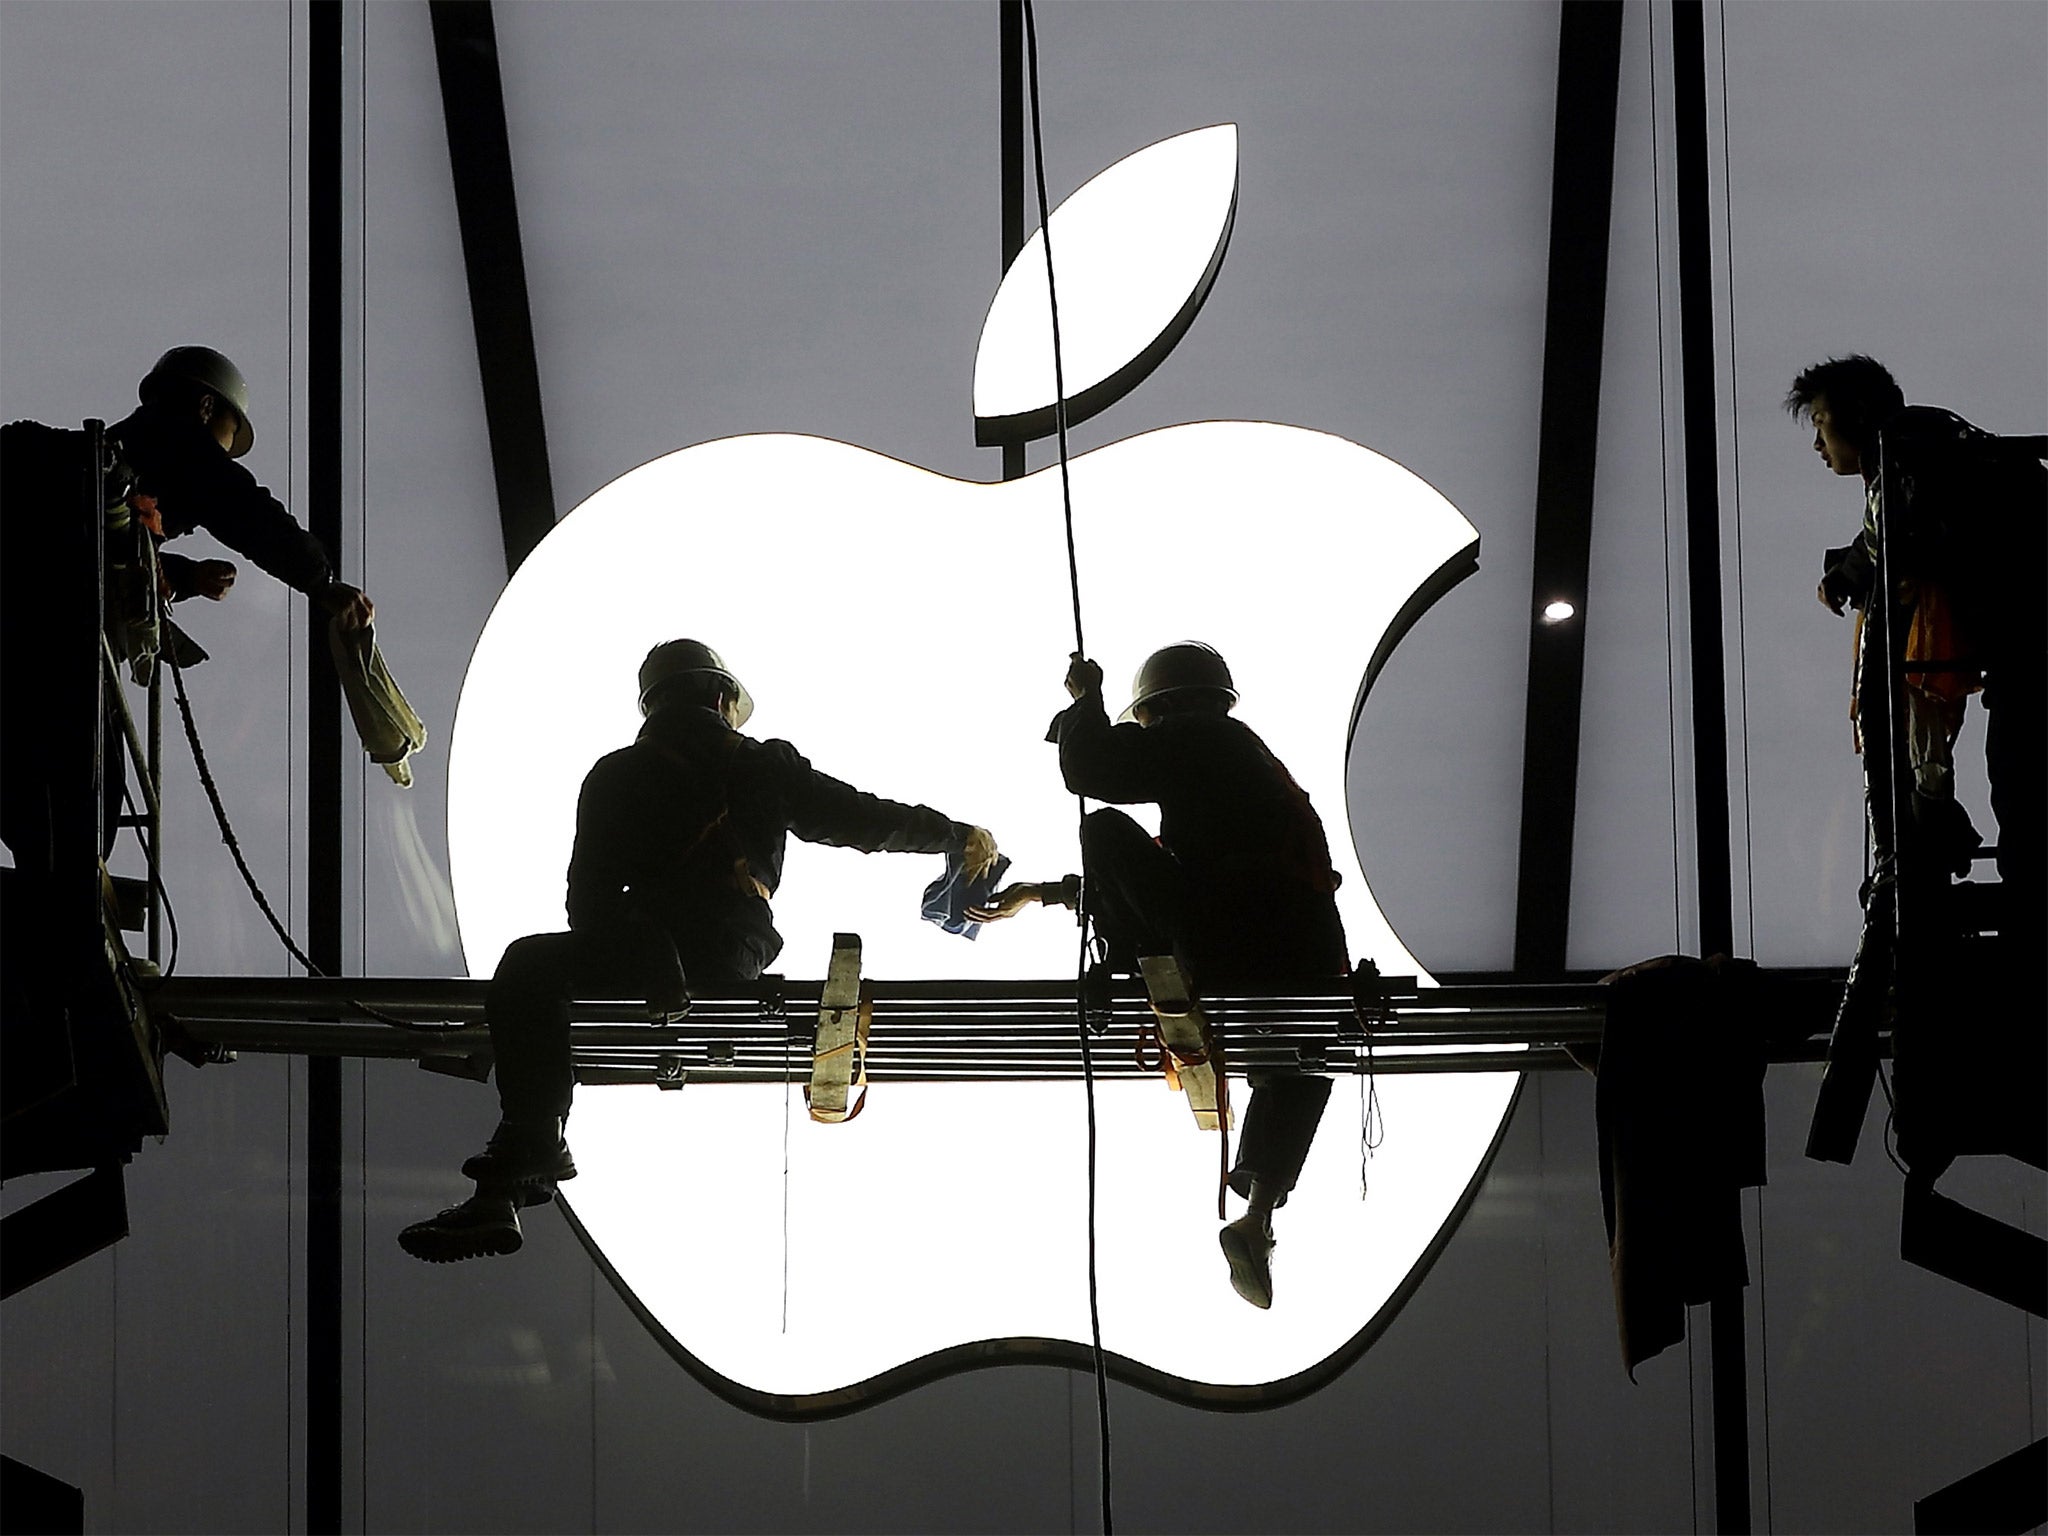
(947, 898)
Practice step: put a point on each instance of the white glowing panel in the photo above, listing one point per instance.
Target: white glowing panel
(1131, 248)
(908, 632)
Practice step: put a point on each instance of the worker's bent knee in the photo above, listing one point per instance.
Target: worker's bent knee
(529, 964)
(1109, 828)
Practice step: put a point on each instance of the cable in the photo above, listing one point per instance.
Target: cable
(1059, 416)
(1891, 1129)
(1052, 295)
(156, 874)
(227, 831)
(227, 835)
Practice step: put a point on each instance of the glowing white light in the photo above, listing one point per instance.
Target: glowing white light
(1131, 249)
(909, 632)
(1557, 612)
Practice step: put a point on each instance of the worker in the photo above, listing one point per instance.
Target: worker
(1967, 556)
(1238, 886)
(679, 848)
(177, 469)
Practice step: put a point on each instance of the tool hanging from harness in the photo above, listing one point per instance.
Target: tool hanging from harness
(138, 628)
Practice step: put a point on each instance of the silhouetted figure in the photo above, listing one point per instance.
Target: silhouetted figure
(177, 470)
(1238, 885)
(1968, 556)
(679, 847)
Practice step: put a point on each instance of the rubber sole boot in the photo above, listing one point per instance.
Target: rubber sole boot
(516, 1156)
(483, 1226)
(1249, 1248)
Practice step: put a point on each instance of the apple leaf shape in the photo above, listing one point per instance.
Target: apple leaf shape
(1135, 252)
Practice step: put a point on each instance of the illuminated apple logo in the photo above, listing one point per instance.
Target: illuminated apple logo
(945, 1227)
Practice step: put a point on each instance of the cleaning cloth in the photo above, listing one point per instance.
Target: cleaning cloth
(947, 898)
(385, 722)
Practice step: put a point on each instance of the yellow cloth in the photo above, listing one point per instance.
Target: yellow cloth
(385, 722)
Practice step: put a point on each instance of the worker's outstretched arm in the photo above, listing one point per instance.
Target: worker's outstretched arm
(823, 809)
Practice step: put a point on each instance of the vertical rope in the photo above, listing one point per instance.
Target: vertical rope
(1052, 296)
(786, 1079)
(362, 1068)
(1059, 416)
(591, 1271)
(291, 743)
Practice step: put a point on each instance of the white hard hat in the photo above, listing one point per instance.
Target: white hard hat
(691, 658)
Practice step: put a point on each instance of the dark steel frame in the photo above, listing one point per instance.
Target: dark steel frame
(1729, 1349)
(1574, 347)
(324, 224)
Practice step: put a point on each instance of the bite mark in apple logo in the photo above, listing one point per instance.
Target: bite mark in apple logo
(945, 1229)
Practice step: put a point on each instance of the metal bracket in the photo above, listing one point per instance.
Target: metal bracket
(839, 1048)
(1184, 1030)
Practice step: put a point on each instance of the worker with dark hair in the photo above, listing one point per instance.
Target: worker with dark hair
(1238, 886)
(177, 468)
(679, 847)
(1967, 552)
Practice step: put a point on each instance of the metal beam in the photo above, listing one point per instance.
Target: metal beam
(67, 1225)
(324, 396)
(1581, 203)
(947, 1030)
(480, 156)
(1730, 1348)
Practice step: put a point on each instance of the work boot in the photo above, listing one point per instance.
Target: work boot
(1248, 1244)
(486, 1223)
(1946, 832)
(524, 1157)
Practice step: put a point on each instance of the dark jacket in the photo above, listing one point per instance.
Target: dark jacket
(1229, 811)
(689, 824)
(1968, 522)
(195, 485)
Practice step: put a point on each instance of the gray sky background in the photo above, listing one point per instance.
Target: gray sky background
(750, 216)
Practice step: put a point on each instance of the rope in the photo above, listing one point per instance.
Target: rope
(1372, 1120)
(156, 875)
(1052, 295)
(1059, 416)
(227, 835)
(291, 462)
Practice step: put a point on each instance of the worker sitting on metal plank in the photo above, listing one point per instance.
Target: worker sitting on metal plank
(1238, 886)
(176, 471)
(679, 847)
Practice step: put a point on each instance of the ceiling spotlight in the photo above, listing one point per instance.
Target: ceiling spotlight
(1557, 612)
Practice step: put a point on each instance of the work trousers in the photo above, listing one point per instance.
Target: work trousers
(1141, 902)
(527, 1002)
(2016, 761)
